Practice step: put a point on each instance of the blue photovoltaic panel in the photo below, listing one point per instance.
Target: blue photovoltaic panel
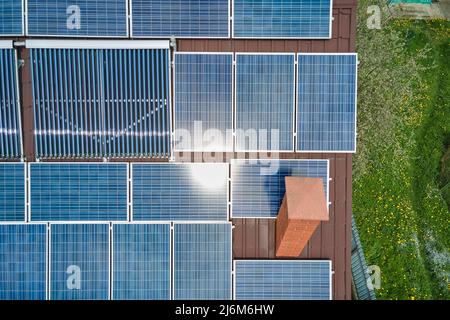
(258, 188)
(265, 86)
(141, 262)
(10, 128)
(180, 191)
(23, 262)
(186, 18)
(11, 15)
(326, 118)
(77, 18)
(101, 103)
(12, 192)
(282, 18)
(203, 98)
(202, 262)
(78, 192)
(79, 262)
(282, 280)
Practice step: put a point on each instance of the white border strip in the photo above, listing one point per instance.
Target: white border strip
(6, 44)
(97, 44)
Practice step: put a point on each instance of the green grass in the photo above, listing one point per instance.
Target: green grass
(398, 203)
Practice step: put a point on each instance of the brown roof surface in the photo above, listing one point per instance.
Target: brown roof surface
(306, 199)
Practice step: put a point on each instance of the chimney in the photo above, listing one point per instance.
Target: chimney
(303, 208)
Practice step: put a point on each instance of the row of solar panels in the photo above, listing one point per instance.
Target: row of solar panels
(166, 18)
(265, 101)
(115, 102)
(145, 262)
(148, 192)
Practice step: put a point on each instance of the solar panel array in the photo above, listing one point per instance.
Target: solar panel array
(78, 18)
(202, 261)
(265, 89)
(282, 280)
(79, 262)
(203, 102)
(104, 103)
(185, 19)
(265, 113)
(141, 262)
(81, 258)
(159, 18)
(10, 126)
(326, 117)
(258, 187)
(101, 103)
(12, 192)
(282, 18)
(23, 256)
(174, 192)
(134, 263)
(78, 192)
(11, 17)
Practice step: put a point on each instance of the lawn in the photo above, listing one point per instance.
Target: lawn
(401, 176)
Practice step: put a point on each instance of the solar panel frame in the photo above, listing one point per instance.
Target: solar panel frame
(294, 91)
(153, 141)
(281, 261)
(14, 91)
(330, 28)
(22, 23)
(235, 161)
(178, 221)
(105, 101)
(297, 114)
(6, 44)
(95, 44)
(229, 35)
(4, 217)
(47, 241)
(157, 223)
(127, 23)
(199, 223)
(50, 253)
(74, 221)
(224, 147)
